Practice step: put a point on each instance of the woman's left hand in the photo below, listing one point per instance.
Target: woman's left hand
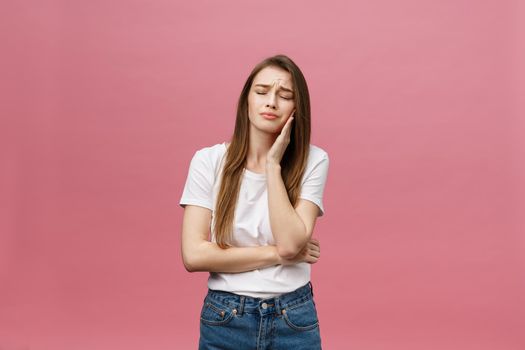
(276, 152)
(309, 254)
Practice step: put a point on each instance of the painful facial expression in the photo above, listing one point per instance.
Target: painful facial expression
(271, 92)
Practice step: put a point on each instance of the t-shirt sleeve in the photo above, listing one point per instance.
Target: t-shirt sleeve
(314, 183)
(198, 189)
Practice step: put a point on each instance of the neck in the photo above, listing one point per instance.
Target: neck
(259, 145)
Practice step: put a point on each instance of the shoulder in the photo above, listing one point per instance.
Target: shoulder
(317, 164)
(209, 157)
(211, 152)
(317, 155)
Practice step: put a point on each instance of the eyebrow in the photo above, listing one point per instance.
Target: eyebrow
(267, 86)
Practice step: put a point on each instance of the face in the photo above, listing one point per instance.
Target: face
(271, 92)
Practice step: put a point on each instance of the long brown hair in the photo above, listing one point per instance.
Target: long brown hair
(294, 159)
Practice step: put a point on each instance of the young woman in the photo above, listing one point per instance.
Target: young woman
(259, 195)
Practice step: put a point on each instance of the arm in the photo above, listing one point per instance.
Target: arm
(291, 227)
(289, 231)
(199, 254)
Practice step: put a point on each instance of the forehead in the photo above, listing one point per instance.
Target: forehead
(273, 75)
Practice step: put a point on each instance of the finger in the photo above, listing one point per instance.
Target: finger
(291, 120)
(316, 254)
(312, 259)
(313, 246)
(288, 125)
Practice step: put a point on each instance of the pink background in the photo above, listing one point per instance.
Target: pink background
(419, 104)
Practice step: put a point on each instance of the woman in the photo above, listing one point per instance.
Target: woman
(260, 194)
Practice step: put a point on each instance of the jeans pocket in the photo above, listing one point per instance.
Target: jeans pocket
(215, 313)
(302, 317)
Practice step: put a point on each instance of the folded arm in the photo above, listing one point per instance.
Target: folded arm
(292, 228)
(199, 254)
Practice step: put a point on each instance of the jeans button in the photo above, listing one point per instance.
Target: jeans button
(264, 305)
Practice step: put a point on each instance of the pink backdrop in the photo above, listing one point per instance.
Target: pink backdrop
(419, 104)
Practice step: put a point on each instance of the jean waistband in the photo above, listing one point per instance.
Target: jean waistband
(243, 303)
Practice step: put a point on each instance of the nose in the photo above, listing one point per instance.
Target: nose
(271, 100)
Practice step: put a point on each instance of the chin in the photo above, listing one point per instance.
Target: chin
(270, 129)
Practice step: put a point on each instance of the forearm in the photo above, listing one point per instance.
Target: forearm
(287, 226)
(210, 257)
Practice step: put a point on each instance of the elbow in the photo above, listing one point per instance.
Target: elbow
(189, 264)
(287, 252)
(291, 250)
(194, 257)
(189, 267)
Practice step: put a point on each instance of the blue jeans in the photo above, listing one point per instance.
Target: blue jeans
(240, 322)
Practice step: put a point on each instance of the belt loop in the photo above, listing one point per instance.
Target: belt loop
(311, 288)
(241, 305)
(278, 305)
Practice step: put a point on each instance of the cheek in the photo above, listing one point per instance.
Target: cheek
(252, 103)
(284, 122)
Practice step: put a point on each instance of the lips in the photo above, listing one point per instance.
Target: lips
(269, 115)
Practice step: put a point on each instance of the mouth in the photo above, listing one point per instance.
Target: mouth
(269, 116)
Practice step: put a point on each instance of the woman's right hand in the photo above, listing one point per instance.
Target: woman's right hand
(310, 254)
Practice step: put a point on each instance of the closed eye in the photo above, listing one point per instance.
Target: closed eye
(286, 98)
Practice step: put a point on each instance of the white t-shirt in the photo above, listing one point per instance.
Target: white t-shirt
(252, 222)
